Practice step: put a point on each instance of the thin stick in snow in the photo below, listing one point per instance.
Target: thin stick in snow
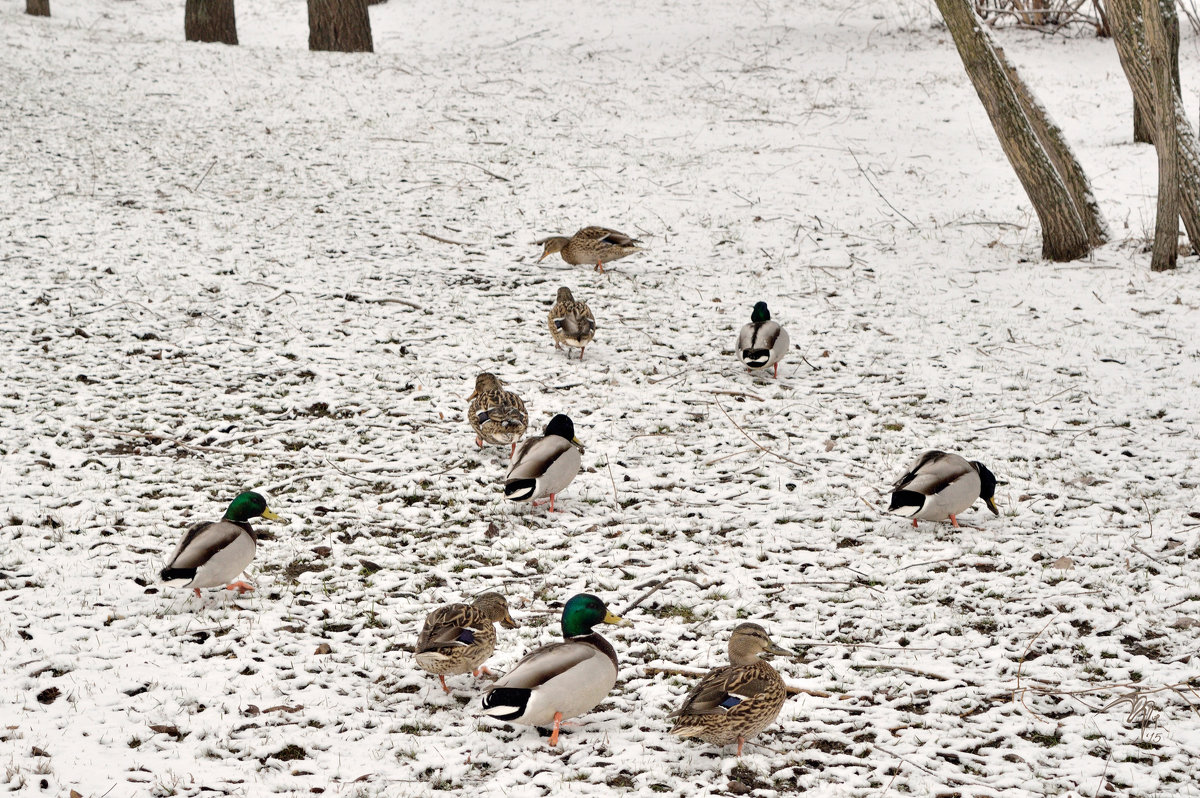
(658, 584)
(877, 191)
(756, 443)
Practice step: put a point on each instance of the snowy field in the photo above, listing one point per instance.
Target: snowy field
(221, 273)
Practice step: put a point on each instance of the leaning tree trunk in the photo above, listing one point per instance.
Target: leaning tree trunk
(1130, 38)
(1059, 152)
(1143, 129)
(1166, 225)
(341, 25)
(37, 8)
(1063, 234)
(210, 21)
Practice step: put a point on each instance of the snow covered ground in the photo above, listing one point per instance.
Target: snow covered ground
(220, 273)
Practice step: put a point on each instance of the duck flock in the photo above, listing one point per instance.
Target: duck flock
(312, 277)
(563, 680)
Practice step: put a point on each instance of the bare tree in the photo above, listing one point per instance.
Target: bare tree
(1059, 152)
(341, 25)
(210, 21)
(1166, 225)
(1129, 34)
(37, 8)
(1142, 127)
(1028, 145)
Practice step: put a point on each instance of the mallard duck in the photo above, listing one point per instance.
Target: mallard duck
(561, 680)
(571, 322)
(214, 553)
(457, 638)
(597, 245)
(735, 702)
(939, 486)
(762, 342)
(545, 465)
(497, 416)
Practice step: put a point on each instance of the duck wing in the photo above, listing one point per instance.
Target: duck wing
(575, 321)
(722, 690)
(536, 456)
(758, 335)
(203, 541)
(546, 663)
(933, 472)
(604, 235)
(448, 627)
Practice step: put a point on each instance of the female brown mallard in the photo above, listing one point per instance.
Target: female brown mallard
(571, 323)
(597, 245)
(735, 702)
(497, 416)
(457, 638)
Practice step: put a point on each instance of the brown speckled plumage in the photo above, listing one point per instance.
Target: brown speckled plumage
(735, 702)
(595, 245)
(497, 416)
(571, 322)
(458, 638)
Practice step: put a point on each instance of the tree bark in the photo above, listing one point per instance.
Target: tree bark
(1166, 225)
(1130, 37)
(340, 25)
(210, 21)
(1063, 234)
(37, 8)
(1055, 143)
(1143, 129)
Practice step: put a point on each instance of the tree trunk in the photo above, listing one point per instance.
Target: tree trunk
(210, 21)
(1143, 129)
(1059, 152)
(1063, 234)
(1166, 225)
(37, 8)
(341, 25)
(1130, 38)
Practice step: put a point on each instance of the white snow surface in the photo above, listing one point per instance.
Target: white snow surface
(216, 277)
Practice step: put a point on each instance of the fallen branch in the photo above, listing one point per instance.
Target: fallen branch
(880, 193)
(659, 584)
(480, 168)
(762, 448)
(739, 393)
(445, 240)
(608, 465)
(652, 670)
(914, 671)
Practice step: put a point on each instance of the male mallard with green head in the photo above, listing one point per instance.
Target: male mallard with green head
(497, 416)
(213, 554)
(545, 465)
(458, 638)
(762, 342)
(939, 485)
(597, 245)
(561, 680)
(571, 322)
(735, 702)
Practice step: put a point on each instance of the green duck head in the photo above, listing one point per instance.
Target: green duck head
(582, 612)
(760, 313)
(248, 505)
